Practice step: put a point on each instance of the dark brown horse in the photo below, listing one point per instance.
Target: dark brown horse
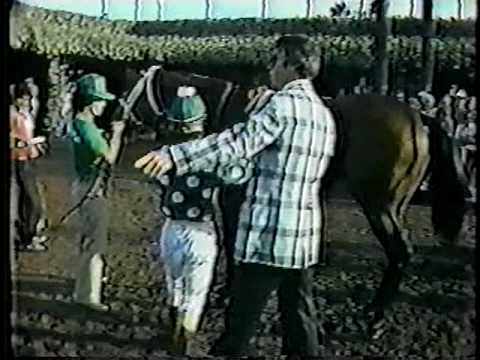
(384, 152)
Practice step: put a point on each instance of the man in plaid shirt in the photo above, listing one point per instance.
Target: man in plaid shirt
(290, 142)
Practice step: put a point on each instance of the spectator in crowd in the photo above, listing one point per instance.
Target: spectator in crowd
(28, 210)
(460, 107)
(427, 102)
(472, 106)
(465, 135)
(66, 112)
(92, 154)
(445, 114)
(414, 103)
(452, 92)
(400, 95)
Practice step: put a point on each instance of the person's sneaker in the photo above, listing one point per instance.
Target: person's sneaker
(96, 306)
(39, 239)
(424, 186)
(33, 247)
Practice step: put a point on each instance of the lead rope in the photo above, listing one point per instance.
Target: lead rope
(132, 99)
(223, 100)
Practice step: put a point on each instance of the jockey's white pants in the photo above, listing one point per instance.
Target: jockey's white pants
(189, 253)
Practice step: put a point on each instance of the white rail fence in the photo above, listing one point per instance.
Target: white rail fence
(140, 10)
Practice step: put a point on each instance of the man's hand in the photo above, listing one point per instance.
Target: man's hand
(256, 92)
(155, 163)
(118, 126)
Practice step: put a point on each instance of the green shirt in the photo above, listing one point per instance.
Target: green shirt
(88, 145)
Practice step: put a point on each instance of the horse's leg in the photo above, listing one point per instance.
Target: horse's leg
(386, 227)
(407, 189)
(387, 220)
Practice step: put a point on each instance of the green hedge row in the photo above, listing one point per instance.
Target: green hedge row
(253, 26)
(324, 25)
(58, 33)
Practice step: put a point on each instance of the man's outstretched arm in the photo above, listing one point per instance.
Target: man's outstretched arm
(242, 141)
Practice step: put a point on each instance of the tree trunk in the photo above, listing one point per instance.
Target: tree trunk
(104, 9)
(137, 10)
(264, 13)
(381, 37)
(309, 8)
(160, 10)
(460, 9)
(361, 9)
(428, 51)
(412, 8)
(208, 9)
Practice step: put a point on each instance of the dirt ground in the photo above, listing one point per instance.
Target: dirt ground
(433, 318)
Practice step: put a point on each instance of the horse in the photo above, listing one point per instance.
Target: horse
(384, 151)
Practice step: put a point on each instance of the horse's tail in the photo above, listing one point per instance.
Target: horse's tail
(448, 182)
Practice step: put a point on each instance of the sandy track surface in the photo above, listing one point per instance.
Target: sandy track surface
(433, 318)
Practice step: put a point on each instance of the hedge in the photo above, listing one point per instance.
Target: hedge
(54, 33)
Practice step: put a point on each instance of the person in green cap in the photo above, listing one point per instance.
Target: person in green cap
(92, 152)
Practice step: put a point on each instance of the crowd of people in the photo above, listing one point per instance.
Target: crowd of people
(457, 114)
(277, 239)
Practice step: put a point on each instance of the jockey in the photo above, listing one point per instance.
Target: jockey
(188, 241)
(427, 102)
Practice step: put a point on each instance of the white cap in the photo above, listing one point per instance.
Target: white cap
(190, 91)
(462, 93)
(181, 91)
(186, 91)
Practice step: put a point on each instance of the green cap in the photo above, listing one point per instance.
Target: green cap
(187, 109)
(93, 87)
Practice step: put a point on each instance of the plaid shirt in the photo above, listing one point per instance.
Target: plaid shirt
(290, 142)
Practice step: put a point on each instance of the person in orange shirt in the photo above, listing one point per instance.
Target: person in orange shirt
(25, 203)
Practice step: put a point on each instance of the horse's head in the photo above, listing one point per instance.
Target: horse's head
(140, 104)
(152, 91)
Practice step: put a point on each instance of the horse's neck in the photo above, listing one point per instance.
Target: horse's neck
(234, 110)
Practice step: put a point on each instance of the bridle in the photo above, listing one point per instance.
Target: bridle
(144, 83)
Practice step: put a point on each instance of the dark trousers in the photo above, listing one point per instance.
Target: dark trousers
(231, 199)
(27, 201)
(91, 242)
(251, 286)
